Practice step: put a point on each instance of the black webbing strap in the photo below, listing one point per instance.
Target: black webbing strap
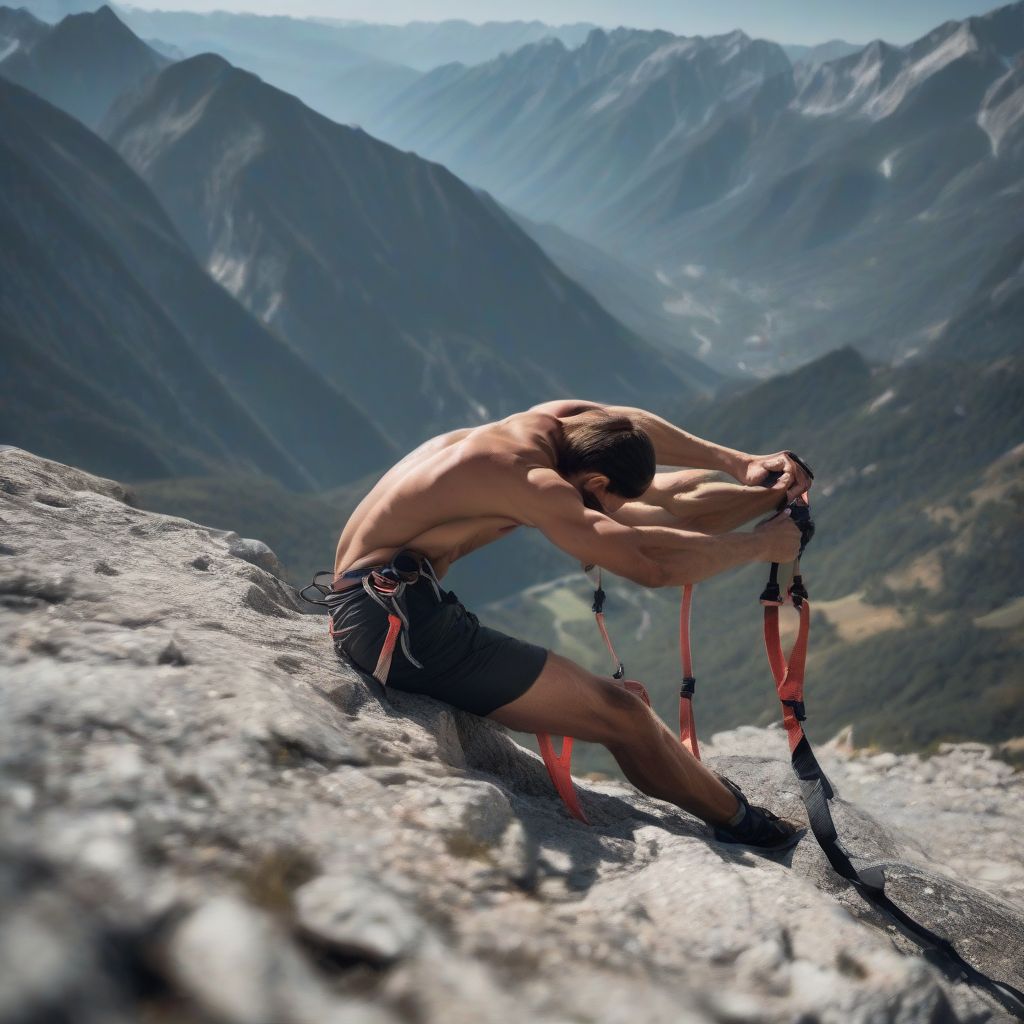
(319, 587)
(816, 791)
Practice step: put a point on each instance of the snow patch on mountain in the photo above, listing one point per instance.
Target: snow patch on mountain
(228, 271)
(883, 399)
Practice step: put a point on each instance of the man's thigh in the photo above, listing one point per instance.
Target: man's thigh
(567, 700)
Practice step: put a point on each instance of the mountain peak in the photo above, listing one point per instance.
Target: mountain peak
(83, 63)
(102, 20)
(205, 65)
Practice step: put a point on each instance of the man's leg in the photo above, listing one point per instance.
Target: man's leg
(567, 700)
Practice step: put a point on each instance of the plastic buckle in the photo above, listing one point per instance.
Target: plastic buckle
(405, 566)
(798, 592)
(798, 709)
(771, 595)
(620, 672)
(598, 606)
(687, 686)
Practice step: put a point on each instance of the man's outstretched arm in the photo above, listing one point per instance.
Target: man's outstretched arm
(654, 556)
(695, 500)
(674, 446)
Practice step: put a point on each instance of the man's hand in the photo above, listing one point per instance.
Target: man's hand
(780, 538)
(793, 481)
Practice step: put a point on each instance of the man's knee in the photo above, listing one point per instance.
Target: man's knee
(623, 716)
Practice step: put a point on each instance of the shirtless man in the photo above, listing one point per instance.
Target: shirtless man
(583, 474)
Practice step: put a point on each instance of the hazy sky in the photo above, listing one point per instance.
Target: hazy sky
(787, 21)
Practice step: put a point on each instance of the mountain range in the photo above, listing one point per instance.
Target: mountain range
(747, 184)
(417, 297)
(383, 299)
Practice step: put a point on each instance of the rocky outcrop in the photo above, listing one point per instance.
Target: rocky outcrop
(205, 817)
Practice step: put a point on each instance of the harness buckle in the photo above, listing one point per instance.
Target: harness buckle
(771, 595)
(687, 687)
(598, 606)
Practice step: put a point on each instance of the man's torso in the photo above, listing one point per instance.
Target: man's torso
(451, 495)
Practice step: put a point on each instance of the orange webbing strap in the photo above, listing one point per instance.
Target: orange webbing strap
(619, 668)
(789, 672)
(380, 673)
(560, 769)
(560, 765)
(687, 726)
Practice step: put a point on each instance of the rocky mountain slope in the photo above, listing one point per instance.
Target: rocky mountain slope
(120, 351)
(415, 296)
(205, 817)
(81, 64)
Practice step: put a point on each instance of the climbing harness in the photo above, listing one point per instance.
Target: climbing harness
(386, 585)
(815, 788)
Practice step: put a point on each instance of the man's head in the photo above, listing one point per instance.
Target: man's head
(607, 458)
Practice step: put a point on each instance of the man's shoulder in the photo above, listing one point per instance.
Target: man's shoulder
(522, 440)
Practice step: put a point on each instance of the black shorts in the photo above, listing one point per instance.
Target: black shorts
(467, 665)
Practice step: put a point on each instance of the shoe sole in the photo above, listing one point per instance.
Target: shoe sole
(786, 844)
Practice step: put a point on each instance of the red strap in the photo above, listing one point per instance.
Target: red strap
(380, 673)
(788, 672)
(684, 630)
(559, 768)
(608, 642)
(687, 725)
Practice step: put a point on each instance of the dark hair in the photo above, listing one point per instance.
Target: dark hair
(601, 442)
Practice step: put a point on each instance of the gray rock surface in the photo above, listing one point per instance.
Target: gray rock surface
(205, 817)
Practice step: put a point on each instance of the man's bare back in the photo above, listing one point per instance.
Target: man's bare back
(451, 495)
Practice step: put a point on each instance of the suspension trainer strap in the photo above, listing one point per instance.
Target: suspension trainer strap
(597, 608)
(559, 767)
(687, 726)
(816, 790)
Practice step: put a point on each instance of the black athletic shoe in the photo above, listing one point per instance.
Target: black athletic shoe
(758, 827)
